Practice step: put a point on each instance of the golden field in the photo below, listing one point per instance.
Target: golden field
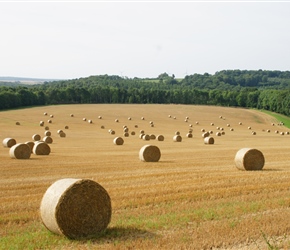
(193, 198)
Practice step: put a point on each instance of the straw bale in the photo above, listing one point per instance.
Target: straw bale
(84, 119)
(142, 118)
(212, 124)
(116, 120)
(118, 141)
(51, 116)
(208, 140)
(36, 137)
(190, 125)
(228, 125)
(47, 139)
(41, 148)
(177, 133)
(249, 127)
(141, 135)
(59, 131)
(136, 126)
(49, 121)
(223, 132)
(17, 123)
(133, 133)
(206, 134)
(196, 123)
(146, 137)
(240, 123)
(218, 134)
(47, 133)
(62, 134)
(112, 132)
(142, 131)
(30, 144)
(76, 208)
(287, 133)
(126, 134)
(231, 129)
(152, 137)
(160, 138)
(281, 133)
(46, 128)
(177, 138)
(8, 142)
(90, 121)
(20, 151)
(211, 132)
(66, 127)
(202, 130)
(151, 122)
(186, 120)
(45, 113)
(100, 117)
(149, 153)
(189, 135)
(102, 127)
(169, 116)
(71, 115)
(129, 118)
(41, 123)
(249, 159)
(253, 133)
(125, 129)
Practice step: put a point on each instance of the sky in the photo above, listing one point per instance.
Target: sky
(74, 39)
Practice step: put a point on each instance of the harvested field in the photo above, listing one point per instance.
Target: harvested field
(194, 197)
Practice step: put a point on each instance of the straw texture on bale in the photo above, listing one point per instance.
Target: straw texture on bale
(249, 159)
(76, 208)
(149, 153)
(8, 142)
(152, 137)
(20, 151)
(126, 134)
(160, 138)
(189, 135)
(208, 140)
(30, 144)
(47, 133)
(177, 138)
(62, 134)
(36, 137)
(41, 148)
(118, 141)
(133, 133)
(206, 134)
(47, 139)
(46, 128)
(146, 137)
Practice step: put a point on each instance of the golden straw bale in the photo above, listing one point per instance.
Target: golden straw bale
(160, 138)
(249, 159)
(51, 116)
(45, 113)
(76, 208)
(49, 121)
(205, 134)
(30, 144)
(177, 138)
(8, 142)
(177, 133)
(66, 127)
(208, 140)
(218, 134)
(41, 123)
(36, 137)
(152, 137)
(47, 133)
(17, 123)
(71, 115)
(100, 117)
(20, 151)
(41, 148)
(47, 139)
(126, 134)
(146, 137)
(149, 153)
(62, 134)
(133, 133)
(118, 141)
(46, 128)
(189, 135)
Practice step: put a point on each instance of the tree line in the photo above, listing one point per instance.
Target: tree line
(269, 90)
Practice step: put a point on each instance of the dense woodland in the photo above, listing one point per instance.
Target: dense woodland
(261, 89)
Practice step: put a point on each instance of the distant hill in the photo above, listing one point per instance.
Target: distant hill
(23, 80)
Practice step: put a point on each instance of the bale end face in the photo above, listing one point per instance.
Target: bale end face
(118, 141)
(76, 208)
(20, 151)
(149, 153)
(249, 159)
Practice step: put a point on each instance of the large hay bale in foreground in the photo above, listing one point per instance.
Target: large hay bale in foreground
(76, 208)
(118, 141)
(20, 151)
(8, 142)
(249, 159)
(149, 153)
(41, 148)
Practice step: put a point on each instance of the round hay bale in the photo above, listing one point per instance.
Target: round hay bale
(160, 138)
(281, 133)
(112, 132)
(49, 121)
(116, 120)
(206, 134)
(62, 134)
(30, 144)
(142, 118)
(47, 133)
(84, 119)
(142, 131)
(41, 123)
(46, 128)
(287, 133)
(177, 133)
(126, 134)
(136, 126)
(149, 153)
(51, 116)
(47, 139)
(249, 159)
(59, 131)
(45, 113)
(20, 151)
(202, 130)
(240, 123)
(218, 134)
(152, 137)
(228, 125)
(146, 137)
(66, 127)
(268, 130)
(253, 133)
(223, 132)
(169, 116)
(208, 140)
(17, 123)
(8, 142)
(141, 135)
(118, 141)
(76, 208)
(211, 132)
(41, 148)
(190, 125)
(231, 129)
(36, 137)
(189, 135)
(174, 117)
(177, 138)
(100, 117)
(102, 127)
(126, 130)
(71, 115)
(212, 124)
(133, 133)
(196, 123)
(129, 118)
(90, 121)
(249, 127)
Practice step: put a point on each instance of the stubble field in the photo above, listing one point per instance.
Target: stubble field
(193, 198)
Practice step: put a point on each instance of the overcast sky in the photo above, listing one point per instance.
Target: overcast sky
(73, 39)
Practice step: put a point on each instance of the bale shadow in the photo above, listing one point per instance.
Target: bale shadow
(120, 234)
